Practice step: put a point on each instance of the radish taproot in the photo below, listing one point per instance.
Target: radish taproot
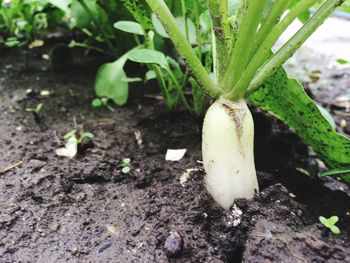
(227, 149)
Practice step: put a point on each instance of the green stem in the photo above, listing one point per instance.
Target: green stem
(235, 23)
(183, 46)
(98, 25)
(198, 30)
(252, 14)
(288, 49)
(179, 89)
(273, 18)
(220, 46)
(225, 21)
(137, 40)
(87, 46)
(139, 11)
(264, 50)
(158, 71)
(184, 14)
(161, 82)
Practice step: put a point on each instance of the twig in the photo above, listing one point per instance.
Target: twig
(155, 97)
(56, 137)
(75, 121)
(12, 166)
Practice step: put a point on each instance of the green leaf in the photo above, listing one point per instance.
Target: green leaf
(129, 27)
(86, 135)
(126, 169)
(140, 12)
(70, 134)
(335, 230)
(61, 4)
(151, 74)
(38, 107)
(148, 56)
(110, 82)
(158, 27)
(191, 5)
(180, 21)
(12, 42)
(205, 21)
(327, 116)
(333, 220)
(126, 161)
(286, 99)
(192, 33)
(304, 16)
(342, 61)
(323, 220)
(96, 103)
(81, 18)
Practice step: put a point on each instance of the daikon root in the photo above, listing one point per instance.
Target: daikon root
(227, 148)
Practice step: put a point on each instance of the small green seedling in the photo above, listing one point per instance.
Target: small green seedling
(35, 110)
(126, 165)
(80, 137)
(96, 103)
(330, 223)
(74, 139)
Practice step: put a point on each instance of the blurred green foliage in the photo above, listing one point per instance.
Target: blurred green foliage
(22, 21)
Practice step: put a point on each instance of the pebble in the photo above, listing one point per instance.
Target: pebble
(174, 244)
(5, 218)
(104, 247)
(45, 93)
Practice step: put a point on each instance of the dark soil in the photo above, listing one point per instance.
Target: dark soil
(55, 209)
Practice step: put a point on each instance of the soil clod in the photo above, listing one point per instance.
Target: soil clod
(174, 244)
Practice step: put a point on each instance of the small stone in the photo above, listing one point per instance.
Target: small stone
(45, 93)
(299, 212)
(174, 244)
(5, 218)
(35, 165)
(175, 155)
(104, 247)
(111, 229)
(75, 249)
(343, 124)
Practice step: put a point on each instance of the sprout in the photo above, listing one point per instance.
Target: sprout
(330, 223)
(73, 139)
(80, 137)
(35, 110)
(126, 165)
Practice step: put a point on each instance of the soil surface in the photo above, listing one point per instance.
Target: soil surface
(56, 209)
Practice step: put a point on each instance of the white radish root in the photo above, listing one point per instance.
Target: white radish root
(228, 156)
